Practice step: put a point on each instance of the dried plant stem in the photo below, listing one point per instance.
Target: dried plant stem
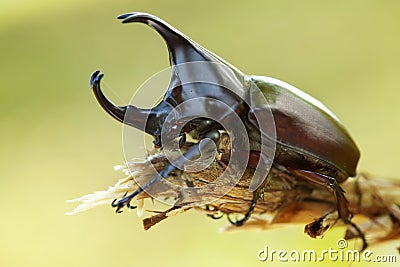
(285, 201)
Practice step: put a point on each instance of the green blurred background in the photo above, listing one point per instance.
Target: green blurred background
(57, 144)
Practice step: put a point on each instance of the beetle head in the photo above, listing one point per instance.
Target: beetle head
(182, 50)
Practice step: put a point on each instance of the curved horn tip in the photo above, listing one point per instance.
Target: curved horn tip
(136, 16)
(95, 78)
(124, 16)
(115, 111)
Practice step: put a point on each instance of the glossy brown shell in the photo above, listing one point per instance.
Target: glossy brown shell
(304, 126)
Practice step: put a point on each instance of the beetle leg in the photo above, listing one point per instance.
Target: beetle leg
(253, 203)
(342, 204)
(331, 183)
(253, 159)
(192, 153)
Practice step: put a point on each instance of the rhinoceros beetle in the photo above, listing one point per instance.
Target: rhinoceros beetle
(311, 143)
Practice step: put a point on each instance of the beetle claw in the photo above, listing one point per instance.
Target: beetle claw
(248, 213)
(237, 222)
(125, 201)
(360, 234)
(116, 205)
(129, 206)
(113, 203)
(120, 204)
(215, 217)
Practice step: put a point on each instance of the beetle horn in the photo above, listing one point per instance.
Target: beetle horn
(181, 48)
(129, 115)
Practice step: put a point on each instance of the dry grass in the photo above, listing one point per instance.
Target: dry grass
(285, 201)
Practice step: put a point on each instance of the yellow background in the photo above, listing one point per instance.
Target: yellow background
(57, 144)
